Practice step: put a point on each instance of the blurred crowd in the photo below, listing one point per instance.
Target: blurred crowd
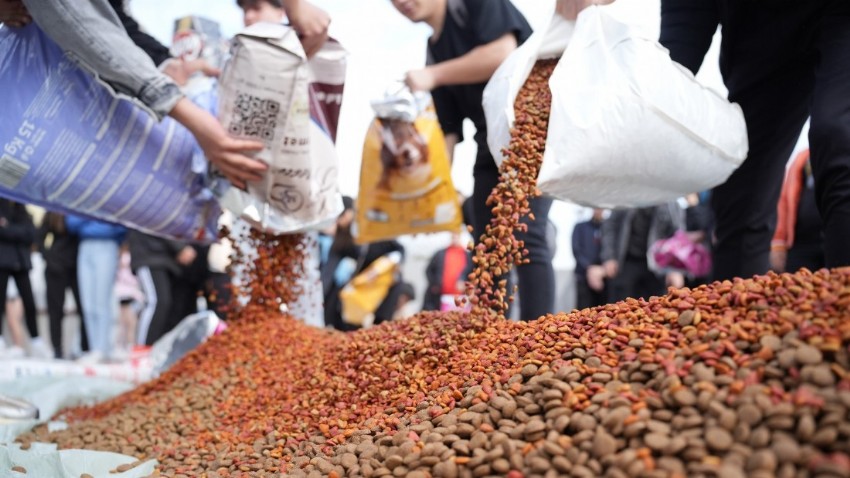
(130, 288)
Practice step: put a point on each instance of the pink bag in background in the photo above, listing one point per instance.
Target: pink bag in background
(678, 252)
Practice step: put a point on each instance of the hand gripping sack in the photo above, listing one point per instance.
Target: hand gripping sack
(405, 179)
(628, 127)
(68, 143)
(270, 92)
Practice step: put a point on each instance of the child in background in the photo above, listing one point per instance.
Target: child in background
(130, 298)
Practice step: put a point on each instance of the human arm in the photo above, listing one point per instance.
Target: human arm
(220, 149)
(310, 22)
(476, 66)
(570, 9)
(581, 251)
(91, 32)
(14, 14)
(611, 230)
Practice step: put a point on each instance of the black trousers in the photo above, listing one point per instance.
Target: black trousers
(168, 299)
(587, 297)
(634, 280)
(537, 278)
(22, 281)
(782, 61)
(58, 280)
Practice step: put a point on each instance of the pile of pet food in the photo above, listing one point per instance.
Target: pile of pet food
(744, 378)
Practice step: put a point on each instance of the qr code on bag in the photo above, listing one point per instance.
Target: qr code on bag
(254, 117)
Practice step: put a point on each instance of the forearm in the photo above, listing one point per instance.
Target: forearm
(451, 141)
(92, 33)
(477, 66)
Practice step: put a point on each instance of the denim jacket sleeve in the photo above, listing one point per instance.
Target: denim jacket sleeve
(91, 34)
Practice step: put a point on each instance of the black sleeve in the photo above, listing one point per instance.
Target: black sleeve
(492, 19)
(451, 120)
(156, 50)
(687, 28)
(611, 230)
(584, 256)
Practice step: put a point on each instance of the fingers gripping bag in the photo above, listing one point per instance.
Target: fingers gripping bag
(628, 127)
(69, 143)
(270, 92)
(405, 179)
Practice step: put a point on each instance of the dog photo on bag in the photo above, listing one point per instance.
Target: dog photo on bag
(406, 165)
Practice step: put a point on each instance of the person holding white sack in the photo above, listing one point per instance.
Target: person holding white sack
(782, 62)
(471, 39)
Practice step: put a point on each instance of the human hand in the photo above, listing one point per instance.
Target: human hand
(570, 9)
(420, 80)
(596, 277)
(223, 151)
(612, 268)
(14, 14)
(187, 255)
(675, 280)
(4, 222)
(181, 70)
(778, 260)
(311, 23)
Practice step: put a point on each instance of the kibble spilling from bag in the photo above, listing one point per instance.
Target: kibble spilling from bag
(744, 378)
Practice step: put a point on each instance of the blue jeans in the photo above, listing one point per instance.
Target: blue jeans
(97, 265)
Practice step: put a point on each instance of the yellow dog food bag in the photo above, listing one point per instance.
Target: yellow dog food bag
(405, 179)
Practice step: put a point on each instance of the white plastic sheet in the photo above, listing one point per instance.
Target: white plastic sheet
(51, 394)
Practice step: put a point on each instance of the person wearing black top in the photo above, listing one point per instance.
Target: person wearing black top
(59, 249)
(471, 39)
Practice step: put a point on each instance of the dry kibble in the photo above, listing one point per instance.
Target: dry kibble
(747, 377)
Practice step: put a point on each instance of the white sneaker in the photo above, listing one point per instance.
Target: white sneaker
(10, 352)
(90, 358)
(40, 349)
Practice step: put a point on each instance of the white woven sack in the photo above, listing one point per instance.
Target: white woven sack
(629, 127)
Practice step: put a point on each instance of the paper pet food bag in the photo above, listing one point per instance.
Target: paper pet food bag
(405, 179)
(68, 143)
(270, 92)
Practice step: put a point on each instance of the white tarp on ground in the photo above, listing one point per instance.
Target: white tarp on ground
(51, 394)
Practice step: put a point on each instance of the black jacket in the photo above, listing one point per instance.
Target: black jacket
(156, 50)
(17, 235)
(60, 252)
(154, 252)
(587, 247)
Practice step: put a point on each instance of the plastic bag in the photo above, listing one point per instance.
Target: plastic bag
(68, 144)
(679, 253)
(270, 92)
(191, 332)
(405, 180)
(361, 297)
(628, 127)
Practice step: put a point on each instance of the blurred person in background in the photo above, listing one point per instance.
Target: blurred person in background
(60, 248)
(590, 276)
(97, 266)
(798, 240)
(446, 275)
(336, 245)
(130, 300)
(309, 21)
(627, 236)
(159, 265)
(470, 39)
(17, 237)
(14, 324)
